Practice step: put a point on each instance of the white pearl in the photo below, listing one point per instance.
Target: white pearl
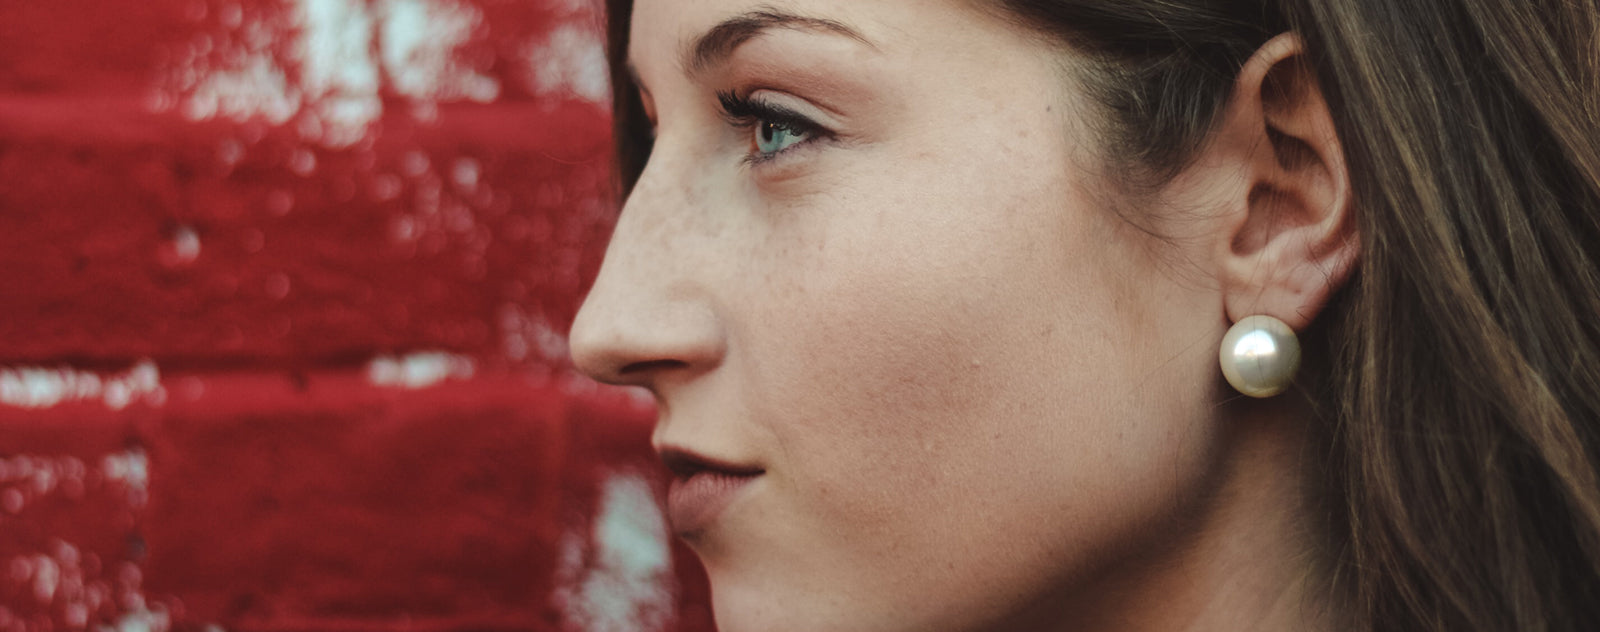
(1260, 355)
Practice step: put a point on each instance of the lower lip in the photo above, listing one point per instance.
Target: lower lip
(694, 503)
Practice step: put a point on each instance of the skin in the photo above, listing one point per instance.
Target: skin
(982, 399)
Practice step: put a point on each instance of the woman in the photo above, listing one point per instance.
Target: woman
(931, 296)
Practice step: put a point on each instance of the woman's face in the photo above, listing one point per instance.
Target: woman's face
(871, 258)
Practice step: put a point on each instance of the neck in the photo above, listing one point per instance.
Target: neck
(1242, 561)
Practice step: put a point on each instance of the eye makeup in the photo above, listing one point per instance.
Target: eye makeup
(768, 123)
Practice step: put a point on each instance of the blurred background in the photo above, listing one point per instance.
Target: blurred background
(284, 288)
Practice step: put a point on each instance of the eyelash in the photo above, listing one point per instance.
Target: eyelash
(746, 114)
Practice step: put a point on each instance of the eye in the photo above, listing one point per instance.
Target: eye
(774, 129)
(772, 137)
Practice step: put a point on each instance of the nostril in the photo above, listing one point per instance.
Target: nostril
(651, 366)
(637, 333)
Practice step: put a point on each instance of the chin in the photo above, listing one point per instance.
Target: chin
(744, 610)
(766, 605)
(740, 605)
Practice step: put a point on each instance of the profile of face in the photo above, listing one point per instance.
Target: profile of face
(914, 369)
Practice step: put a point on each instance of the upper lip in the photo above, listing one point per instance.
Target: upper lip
(685, 463)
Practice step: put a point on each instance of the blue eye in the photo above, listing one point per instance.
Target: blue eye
(773, 128)
(773, 137)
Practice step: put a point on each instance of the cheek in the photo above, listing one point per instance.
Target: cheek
(915, 369)
(955, 375)
(936, 308)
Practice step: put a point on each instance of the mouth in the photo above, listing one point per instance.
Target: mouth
(686, 464)
(702, 487)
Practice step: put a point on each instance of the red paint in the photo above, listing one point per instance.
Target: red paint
(262, 269)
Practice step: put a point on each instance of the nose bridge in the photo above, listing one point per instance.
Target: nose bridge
(649, 310)
(658, 215)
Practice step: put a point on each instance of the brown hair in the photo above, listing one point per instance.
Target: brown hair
(1460, 413)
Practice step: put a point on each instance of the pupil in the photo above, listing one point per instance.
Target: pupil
(768, 132)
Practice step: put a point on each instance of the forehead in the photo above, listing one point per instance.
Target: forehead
(664, 31)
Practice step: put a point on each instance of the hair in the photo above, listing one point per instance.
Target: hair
(1457, 413)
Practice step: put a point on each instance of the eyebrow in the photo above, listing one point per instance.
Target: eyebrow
(717, 44)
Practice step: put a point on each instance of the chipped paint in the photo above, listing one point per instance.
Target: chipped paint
(131, 468)
(419, 40)
(419, 370)
(571, 60)
(71, 584)
(38, 387)
(340, 58)
(627, 585)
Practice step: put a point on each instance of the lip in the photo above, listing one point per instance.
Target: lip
(702, 487)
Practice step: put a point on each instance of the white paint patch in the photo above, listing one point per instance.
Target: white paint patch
(578, 385)
(627, 584)
(141, 620)
(252, 86)
(341, 57)
(570, 61)
(523, 335)
(335, 47)
(26, 478)
(58, 579)
(46, 579)
(131, 468)
(182, 248)
(419, 42)
(419, 370)
(36, 387)
(337, 72)
(466, 173)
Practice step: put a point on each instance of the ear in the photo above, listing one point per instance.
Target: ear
(1287, 239)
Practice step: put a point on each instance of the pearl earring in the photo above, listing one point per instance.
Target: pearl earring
(1260, 355)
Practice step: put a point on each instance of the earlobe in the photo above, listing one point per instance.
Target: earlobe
(1289, 242)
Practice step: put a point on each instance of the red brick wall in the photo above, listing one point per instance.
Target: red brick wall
(283, 293)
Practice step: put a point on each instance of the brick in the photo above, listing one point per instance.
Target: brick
(132, 226)
(72, 493)
(349, 505)
(283, 350)
(202, 267)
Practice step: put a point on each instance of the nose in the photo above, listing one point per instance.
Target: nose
(649, 316)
